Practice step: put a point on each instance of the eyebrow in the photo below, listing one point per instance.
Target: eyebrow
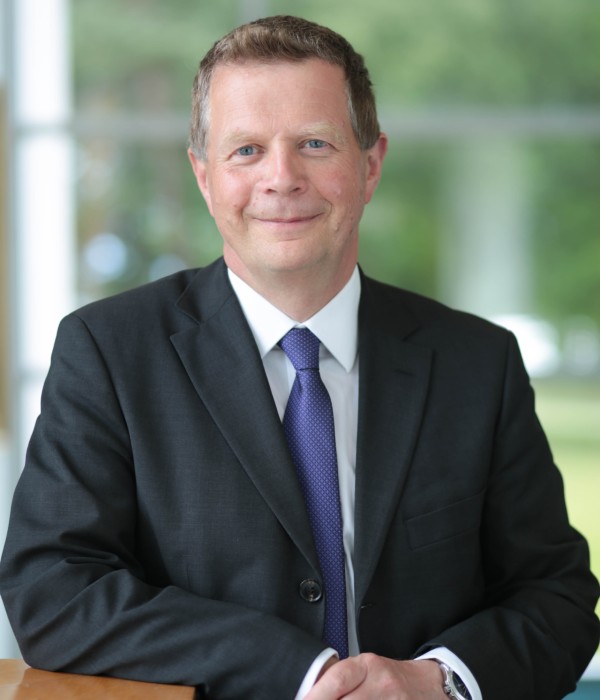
(326, 129)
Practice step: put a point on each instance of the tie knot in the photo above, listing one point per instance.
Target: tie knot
(302, 348)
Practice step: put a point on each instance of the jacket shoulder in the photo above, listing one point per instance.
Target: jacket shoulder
(156, 302)
(422, 315)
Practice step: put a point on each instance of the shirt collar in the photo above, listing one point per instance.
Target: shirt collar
(336, 324)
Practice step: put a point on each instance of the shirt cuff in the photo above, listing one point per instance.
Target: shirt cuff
(458, 666)
(313, 672)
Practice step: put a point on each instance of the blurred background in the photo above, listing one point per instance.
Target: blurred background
(490, 199)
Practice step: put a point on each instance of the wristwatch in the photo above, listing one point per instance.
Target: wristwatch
(453, 683)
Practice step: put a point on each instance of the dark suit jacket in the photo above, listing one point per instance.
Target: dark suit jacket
(158, 531)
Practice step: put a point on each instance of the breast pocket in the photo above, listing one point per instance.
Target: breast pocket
(456, 519)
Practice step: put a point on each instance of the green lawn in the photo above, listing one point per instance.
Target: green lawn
(570, 413)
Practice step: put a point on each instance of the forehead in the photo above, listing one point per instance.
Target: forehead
(252, 88)
(254, 68)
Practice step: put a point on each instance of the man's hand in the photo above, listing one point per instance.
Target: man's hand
(370, 677)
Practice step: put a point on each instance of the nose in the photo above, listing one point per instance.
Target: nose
(284, 171)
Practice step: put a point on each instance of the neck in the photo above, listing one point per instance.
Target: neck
(299, 294)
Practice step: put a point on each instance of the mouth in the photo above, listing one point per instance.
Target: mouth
(287, 220)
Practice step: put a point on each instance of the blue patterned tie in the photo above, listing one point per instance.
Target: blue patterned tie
(308, 427)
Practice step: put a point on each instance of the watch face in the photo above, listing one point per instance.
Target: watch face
(460, 686)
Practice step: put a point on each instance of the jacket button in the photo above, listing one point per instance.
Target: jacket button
(310, 590)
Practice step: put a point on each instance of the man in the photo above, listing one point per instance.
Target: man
(163, 527)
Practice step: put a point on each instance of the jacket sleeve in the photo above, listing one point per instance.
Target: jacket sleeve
(537, 630)
(77, 592)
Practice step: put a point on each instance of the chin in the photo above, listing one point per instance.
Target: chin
(296, 263)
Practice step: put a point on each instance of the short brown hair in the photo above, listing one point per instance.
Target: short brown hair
(286, 38)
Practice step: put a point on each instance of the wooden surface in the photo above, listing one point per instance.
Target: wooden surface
(20, 682)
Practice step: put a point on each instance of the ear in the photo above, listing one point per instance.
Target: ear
(374, 164)
(201, 174)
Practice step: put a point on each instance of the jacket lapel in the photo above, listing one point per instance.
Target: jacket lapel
(221, 358)
(394, 377)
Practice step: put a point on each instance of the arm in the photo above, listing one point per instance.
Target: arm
(80, 592)
(536, 629)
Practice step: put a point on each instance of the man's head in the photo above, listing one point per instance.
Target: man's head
(284, 164)
(291, 39)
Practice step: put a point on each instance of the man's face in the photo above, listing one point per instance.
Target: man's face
(284, 177)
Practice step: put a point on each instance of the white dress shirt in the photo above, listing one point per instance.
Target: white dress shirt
(336, 326)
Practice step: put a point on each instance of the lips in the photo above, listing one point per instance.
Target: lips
(287, 219)
(294, 220)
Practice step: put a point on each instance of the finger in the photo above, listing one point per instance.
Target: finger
(339, 680)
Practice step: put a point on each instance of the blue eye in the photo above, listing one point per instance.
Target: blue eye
(316, 143)
(246, 151)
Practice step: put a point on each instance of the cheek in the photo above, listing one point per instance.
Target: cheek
(345, 183)
(231, 196)
(347, 195)
(336, 188)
